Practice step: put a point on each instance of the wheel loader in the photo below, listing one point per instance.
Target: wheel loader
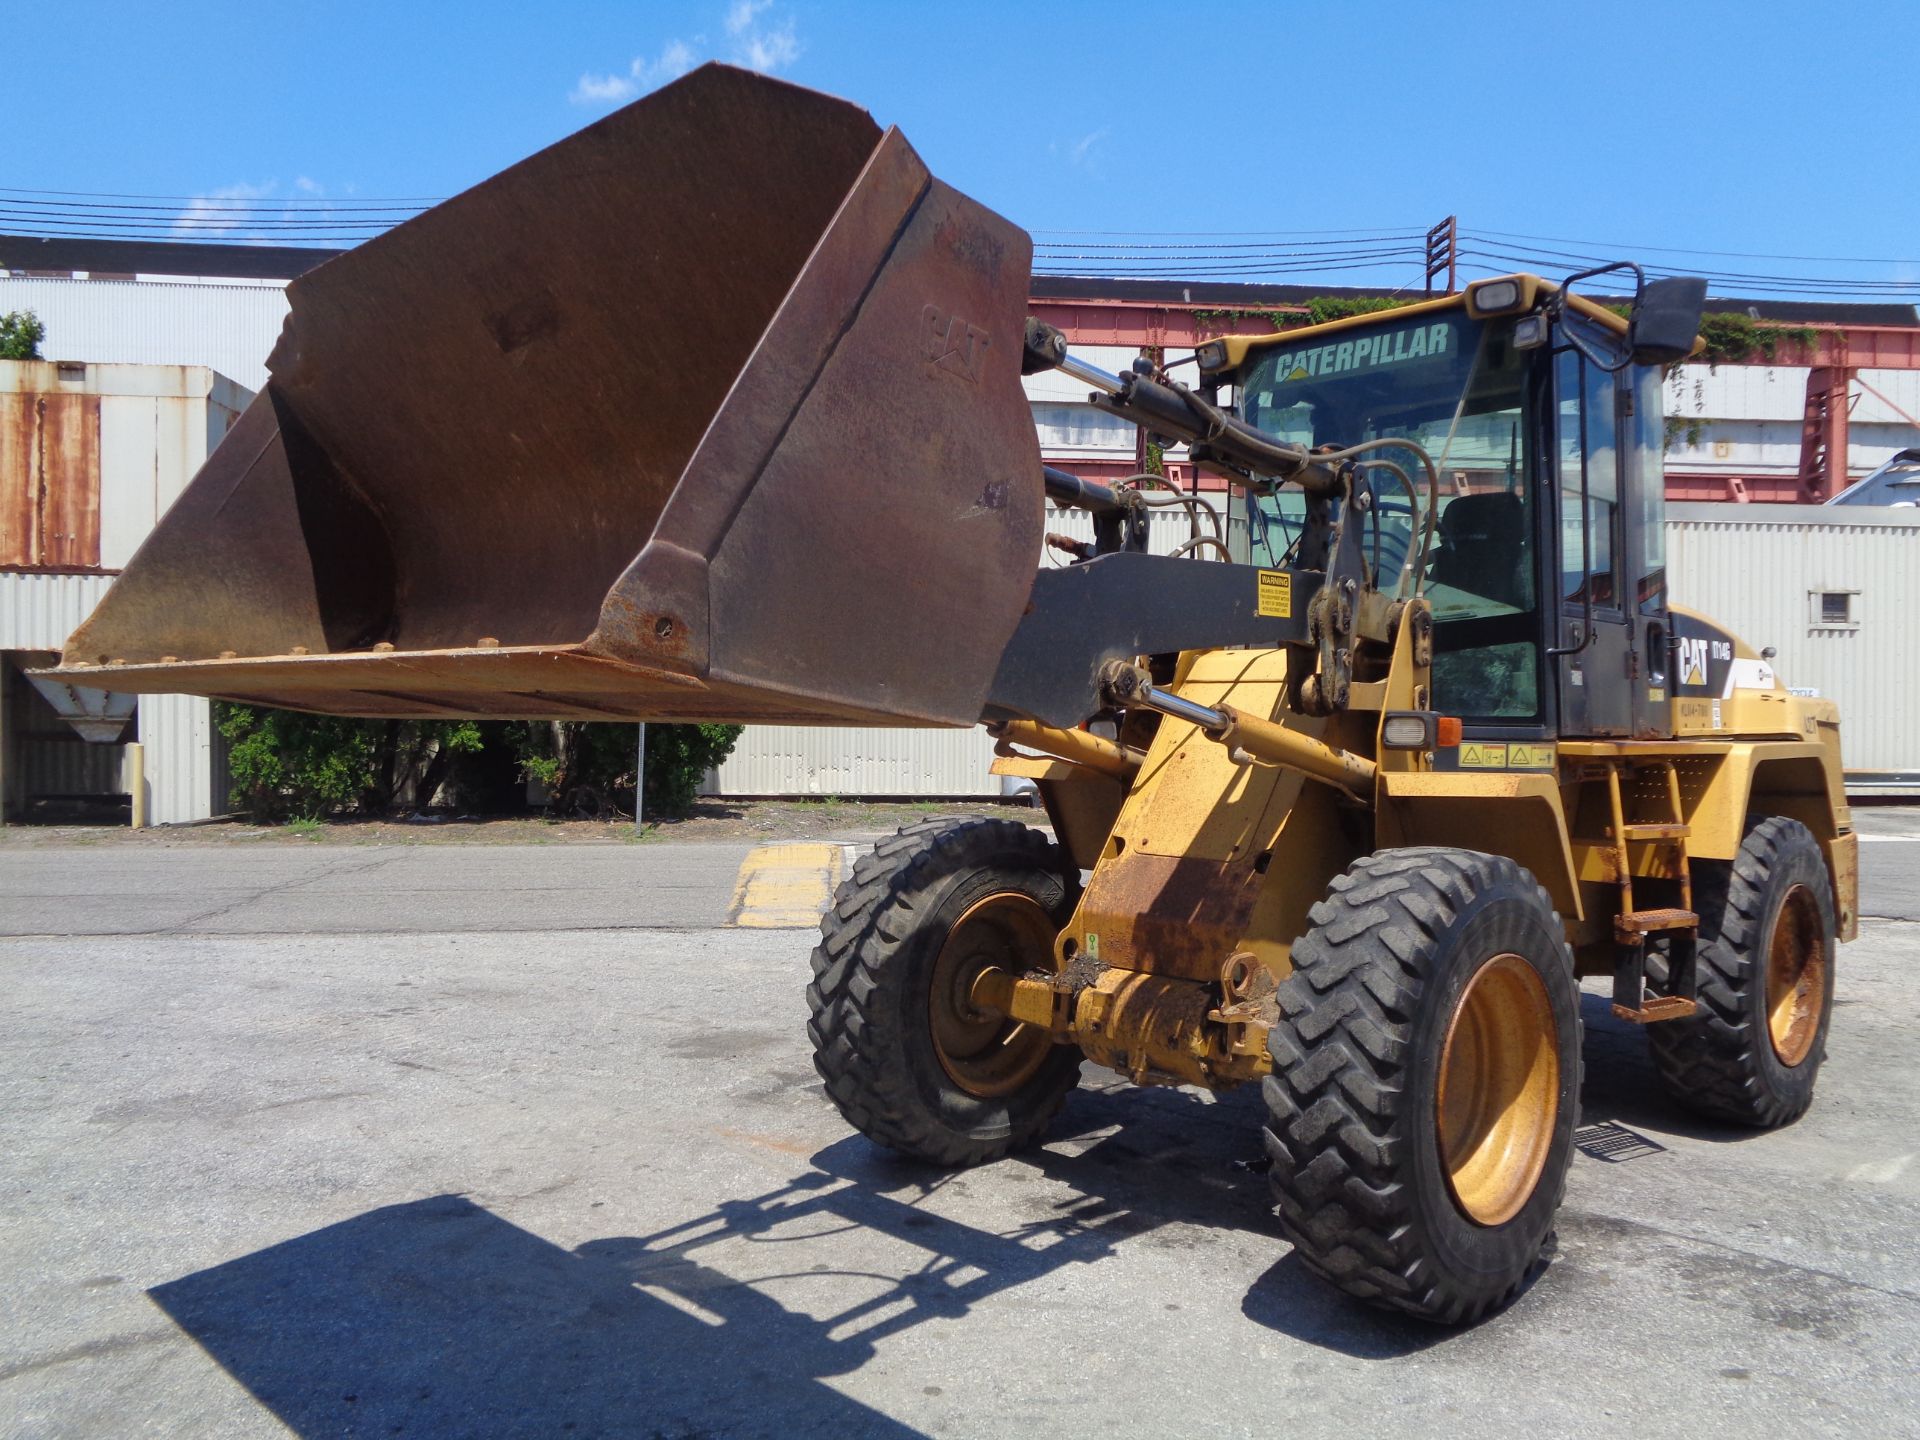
(714, 411)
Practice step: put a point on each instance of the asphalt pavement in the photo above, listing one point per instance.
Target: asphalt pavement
(476, 1141)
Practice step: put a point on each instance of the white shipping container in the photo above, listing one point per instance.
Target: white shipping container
(1761, 570)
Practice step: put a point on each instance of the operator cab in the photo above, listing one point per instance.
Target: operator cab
(1545, 566)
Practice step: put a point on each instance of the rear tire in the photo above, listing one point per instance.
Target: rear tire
(907, 1061)
(1752, 1051)
(1428, 972)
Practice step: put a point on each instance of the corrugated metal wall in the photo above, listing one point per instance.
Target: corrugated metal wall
(230, 328)
(38, 612)
(186, 761)
(1756, 568)
(826, 760)
(186, 766)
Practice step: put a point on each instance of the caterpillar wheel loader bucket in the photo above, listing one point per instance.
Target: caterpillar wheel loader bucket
(711, 410)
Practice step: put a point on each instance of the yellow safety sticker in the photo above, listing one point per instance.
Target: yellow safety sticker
(1516, 755)
(1276, 595)
(1656, 695)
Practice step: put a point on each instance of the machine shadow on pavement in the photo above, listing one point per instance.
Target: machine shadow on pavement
(439, 1317)
(1622, 1089)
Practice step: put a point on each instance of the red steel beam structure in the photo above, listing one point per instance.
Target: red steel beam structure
(1150, 325)
(1171, 325)
(1832, 357)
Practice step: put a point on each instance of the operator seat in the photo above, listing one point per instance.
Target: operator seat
(1483, 548)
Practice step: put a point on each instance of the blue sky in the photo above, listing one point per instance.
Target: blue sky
(1760, 127)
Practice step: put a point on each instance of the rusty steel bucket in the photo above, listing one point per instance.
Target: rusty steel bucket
(710, 411)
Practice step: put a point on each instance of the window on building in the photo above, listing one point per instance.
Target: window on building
(1833, 609)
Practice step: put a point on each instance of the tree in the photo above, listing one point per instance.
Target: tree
(584, 763)
(20, 335)
(285, 763)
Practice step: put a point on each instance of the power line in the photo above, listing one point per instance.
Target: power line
(1225, 234)
(1824, 284)
(189, 224)
(1364, 238)
(1681, 250)
(56, 232)
(189, 199)
(199, 207)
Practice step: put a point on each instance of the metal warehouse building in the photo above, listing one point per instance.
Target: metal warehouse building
(152, 350)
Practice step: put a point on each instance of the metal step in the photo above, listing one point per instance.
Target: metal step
(1664, 830)
(1641, 922)
(1656, 1008)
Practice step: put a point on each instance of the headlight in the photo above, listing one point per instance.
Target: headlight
(1493, 297)
(1407, 730)
(1212, 356)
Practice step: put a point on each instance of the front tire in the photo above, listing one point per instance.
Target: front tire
(1426, 1082)
(1752, 1051)
(908, 1060)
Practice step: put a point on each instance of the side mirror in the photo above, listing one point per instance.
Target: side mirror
(1666, 319)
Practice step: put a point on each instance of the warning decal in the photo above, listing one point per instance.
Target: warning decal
(1516, 755)
(1275, 597)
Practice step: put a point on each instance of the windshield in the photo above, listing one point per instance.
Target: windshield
(1454, 386)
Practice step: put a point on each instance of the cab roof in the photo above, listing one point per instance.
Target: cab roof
(1239, 348)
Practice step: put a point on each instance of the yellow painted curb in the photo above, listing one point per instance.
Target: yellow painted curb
(785, 887)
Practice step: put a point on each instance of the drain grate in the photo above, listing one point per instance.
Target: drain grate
(1614, 1143)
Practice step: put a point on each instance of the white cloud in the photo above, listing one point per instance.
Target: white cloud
(309, 187)
(603, 90)
(1082, 149)
(676, 58)
(756, 38)
(768, 49)
(764, 47)
(743, 14)
(206, 216)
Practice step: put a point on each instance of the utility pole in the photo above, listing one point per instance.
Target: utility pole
(640, 784)
(1443, 242)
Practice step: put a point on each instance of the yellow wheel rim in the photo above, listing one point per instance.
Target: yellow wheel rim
(983, 1051)
(1796, 977)
(1499, 1090)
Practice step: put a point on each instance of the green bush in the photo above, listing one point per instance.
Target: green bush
(678, 757)
(20, 335)
(288, 765)
(588, 766)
